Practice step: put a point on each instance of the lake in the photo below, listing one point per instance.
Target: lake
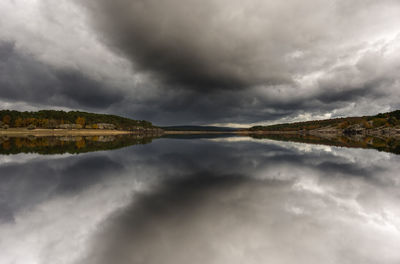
(196, 199)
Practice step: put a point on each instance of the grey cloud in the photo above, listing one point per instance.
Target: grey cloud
(215, 62)
(230, 43)
(25, 79)
(86, 92)
(254, 52)
(193, 44)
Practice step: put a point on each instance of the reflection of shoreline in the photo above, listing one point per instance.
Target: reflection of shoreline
(18, 132)
(380, 143)
(69, 143)
(79, 141)
(256, 133)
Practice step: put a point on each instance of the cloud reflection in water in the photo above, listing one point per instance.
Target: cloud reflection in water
(203, 201)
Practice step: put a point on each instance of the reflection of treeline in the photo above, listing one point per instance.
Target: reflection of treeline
(72, 145)
(390, 119)
(53, 119)
(387, 144)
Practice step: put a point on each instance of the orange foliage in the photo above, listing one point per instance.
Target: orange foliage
(18, 122)
(7, 119)
(80, 121)
(80, 143)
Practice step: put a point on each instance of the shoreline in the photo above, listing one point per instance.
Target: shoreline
(23, 132)
(194, 132)
(238, 132)
(15, 132)
(39, 132)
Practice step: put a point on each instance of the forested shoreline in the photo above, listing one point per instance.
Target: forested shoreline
(390, 120)
(52, 119)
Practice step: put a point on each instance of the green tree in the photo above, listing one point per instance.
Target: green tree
(393, 121)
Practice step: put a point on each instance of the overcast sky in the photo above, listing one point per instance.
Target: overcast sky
(202, 62)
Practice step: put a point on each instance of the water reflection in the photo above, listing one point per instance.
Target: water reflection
(68, 144)
(381, 143)
(221, 200)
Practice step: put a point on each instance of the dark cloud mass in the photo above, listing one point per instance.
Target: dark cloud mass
(231, 43)
(23, 78)
(198, 45)
(303, 56)
(218, 61)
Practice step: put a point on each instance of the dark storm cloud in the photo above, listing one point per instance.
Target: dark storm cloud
(86, 92)
(22, 78)
(194, 107)
(244, 62)
(229, 43)
(248, 106)
(187, 43)
(6, 50)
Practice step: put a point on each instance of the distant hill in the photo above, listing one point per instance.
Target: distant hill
(72, 119)
(199, 128)
(348, 124)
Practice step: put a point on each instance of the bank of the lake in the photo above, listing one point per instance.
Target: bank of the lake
(22, 132)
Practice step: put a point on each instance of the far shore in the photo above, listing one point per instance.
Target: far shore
(321, 133)
(236, 132)
(15, 132)
(24, 132)
(193, 132)
(39, 132)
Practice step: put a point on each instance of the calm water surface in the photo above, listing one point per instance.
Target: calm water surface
(212, 200)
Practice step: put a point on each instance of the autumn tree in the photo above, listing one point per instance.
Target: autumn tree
(80, 143)
(80, 121)
(7, 119)
(18, 122)
(43, 122)
(366, 124)
(52, 123)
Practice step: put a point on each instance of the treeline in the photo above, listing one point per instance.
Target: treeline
(391, 119)
(55, 119)
(199, 128)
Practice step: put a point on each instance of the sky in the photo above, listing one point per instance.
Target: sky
(218, 62)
